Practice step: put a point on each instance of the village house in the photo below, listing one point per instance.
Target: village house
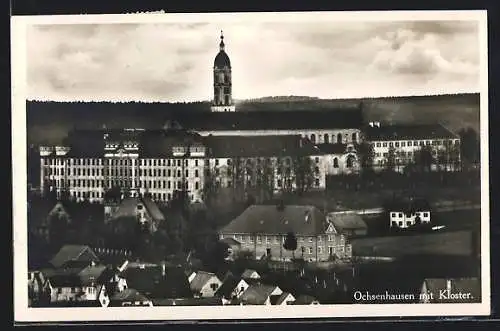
(262, 230)
(129, 298)
(250, 274)
(259, 294)
(348, 223)
(282, 299)
(232, 288)
(204, 284)
(157, 281)
(404, 213)
(74, 255)
(305, 300)
(141, 209)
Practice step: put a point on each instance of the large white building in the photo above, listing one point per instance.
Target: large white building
(217, 143)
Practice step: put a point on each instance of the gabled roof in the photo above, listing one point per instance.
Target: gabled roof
(270, 219)
(304, 300)
(97, 273)
(200, 280)
(69, 253)
(227, 287)
(257, 294)
(409, 205)
(279, 299)
(151, 283)
(347, 221)
(129, 295)
(248, 273)
(127, 208)
(409, 132)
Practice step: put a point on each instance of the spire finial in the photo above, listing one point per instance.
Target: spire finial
(221, 40)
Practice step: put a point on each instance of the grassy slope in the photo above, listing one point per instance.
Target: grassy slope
(49, 122)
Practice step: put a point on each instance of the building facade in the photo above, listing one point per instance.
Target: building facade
(263, 229)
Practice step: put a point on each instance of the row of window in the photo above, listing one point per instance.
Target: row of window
(273, 239)
(114, 172)
(97, 183)
(335, 138)
(400, 215)
(416, 143)
(117, 162)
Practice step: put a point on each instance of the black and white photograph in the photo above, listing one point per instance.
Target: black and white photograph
(250, 165)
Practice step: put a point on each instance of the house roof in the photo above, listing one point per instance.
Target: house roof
(129, 295)
(73, 253)
(248, 273)
(127, 208)
(151, 283)
(227, 287)
(279, 299)
(269, 219)
(409, 132)
(200, 280)
(409, 205)
(257, 294)
(259, 146)
(272, 120)
(81, 303)
(344, 221)
(96, 273)
(304, 300)
(231, 242)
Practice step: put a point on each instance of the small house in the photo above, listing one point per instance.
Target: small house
(348, 223)
(404, 214)
(205, 284)
(259, 294)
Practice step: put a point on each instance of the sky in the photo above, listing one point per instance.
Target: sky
(172, 62)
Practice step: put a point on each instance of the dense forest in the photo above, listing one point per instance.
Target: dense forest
(48, 122)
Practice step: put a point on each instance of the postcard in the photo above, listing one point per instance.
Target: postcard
(226, 166)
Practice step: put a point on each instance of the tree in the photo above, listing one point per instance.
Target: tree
(424, 158)
(367, 155)
(237, 178)
(290, 243)
(304, 173)
(469, 145)
(210, 185)
(268, 178)
(391, 159)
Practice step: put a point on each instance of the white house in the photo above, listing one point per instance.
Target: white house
(404, 214)
(204, 284)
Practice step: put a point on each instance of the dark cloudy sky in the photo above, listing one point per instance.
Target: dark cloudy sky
(173, 61)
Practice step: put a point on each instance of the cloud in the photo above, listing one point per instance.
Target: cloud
(173, 62)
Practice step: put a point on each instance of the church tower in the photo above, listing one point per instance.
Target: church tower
(223, 99)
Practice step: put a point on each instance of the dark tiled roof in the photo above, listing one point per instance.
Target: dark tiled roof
(69, 253)
(129, 295)
(304, 300)
(86, 143)
(278, 299)
(256, 294)
(248, 273)
(347, 221)
(227, 287)
(150, 282)
(272, 120)
(259, 146)
(409, 205)
(269, 219)
(200, 280)
(408, 132)
(97, 273)
(128, 206)
(156, 143)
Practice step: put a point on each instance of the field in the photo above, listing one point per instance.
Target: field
(48, 122)
(442, 243)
